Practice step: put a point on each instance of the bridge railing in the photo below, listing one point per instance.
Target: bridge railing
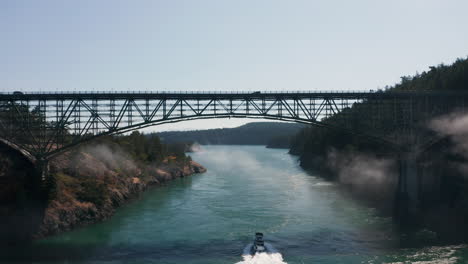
(188, 92)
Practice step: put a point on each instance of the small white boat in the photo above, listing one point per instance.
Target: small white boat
(258, 244)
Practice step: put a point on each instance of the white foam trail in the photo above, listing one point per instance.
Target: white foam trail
(433, 255)
(323, 184)
(270, 257)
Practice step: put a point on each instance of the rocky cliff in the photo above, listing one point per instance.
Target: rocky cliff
(86, 185)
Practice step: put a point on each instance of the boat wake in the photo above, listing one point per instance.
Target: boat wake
(271, 256)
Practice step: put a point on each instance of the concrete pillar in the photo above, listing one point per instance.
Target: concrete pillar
(412, 181)
(407, 197)
(41, 176)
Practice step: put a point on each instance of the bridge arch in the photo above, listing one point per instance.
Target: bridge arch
(204, 117)
(44, 124)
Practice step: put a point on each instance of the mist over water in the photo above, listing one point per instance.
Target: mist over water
(211, 218)
(454, 126)
(366, 175)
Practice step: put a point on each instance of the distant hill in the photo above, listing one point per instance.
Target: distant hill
(272, 134)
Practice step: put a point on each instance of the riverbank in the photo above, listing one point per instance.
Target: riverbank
(440, 213)
(367, 177)
(89, 185)
(85, 185)
(430, 161)
(212, 218)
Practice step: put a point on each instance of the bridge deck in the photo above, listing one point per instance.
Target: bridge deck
(222, 94)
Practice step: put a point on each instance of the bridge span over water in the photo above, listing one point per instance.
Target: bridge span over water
(41, 125)
(44, 124)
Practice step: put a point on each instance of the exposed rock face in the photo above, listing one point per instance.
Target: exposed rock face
(86, 186)
(92, 183)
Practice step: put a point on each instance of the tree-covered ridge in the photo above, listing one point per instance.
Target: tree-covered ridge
(313, 143)
(452, 77)
(144, 148)
(256, 133)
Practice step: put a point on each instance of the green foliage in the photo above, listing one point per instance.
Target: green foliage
(177, 150)
(22, 118)
(257, 133)
(93, 191)
(28, 123)
(144, 148)
(140, 147)
(441, 77)
(314, 142)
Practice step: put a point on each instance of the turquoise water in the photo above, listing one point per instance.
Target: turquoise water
(212, 217)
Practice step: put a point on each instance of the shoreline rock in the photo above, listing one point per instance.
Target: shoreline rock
(90, 189)
(85, 186)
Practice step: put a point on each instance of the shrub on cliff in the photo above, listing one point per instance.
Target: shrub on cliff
(93, 191)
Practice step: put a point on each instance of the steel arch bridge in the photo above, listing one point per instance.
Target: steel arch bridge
(45, 124)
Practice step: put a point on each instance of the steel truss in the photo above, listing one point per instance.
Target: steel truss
(46, 124)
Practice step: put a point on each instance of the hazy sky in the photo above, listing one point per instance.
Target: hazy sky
(225, 45)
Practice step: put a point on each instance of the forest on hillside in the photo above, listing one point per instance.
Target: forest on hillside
(145, 148)
(313, 143)
(272, 134)
(370, 169)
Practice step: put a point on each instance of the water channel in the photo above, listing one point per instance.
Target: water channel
(212, 218)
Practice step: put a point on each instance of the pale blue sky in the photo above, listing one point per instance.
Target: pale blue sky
(225, 45)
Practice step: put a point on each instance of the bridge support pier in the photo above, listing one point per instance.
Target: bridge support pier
(41, 175)
(407, 202)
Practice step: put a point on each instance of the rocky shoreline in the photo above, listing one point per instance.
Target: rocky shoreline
(86, 186)
(118, 179)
